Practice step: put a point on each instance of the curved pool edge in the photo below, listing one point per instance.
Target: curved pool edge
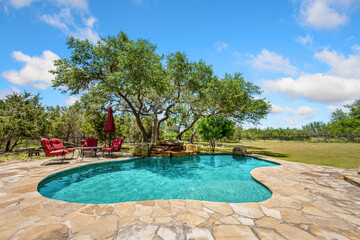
(256, 172)
(259, 157)
(79, 167)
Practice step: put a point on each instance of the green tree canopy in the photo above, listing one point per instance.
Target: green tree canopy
(317, 129)
(65, 121)
(21, 115)
(116, 71)
(130, 76)
(230, 97)
(215, 128)
(354, 109)
(343, 123)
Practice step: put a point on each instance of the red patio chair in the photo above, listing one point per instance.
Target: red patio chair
(90, 142)
(115, 147)
(50, 151)
(57, 144)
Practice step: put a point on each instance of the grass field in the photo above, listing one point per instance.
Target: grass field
(342, 155)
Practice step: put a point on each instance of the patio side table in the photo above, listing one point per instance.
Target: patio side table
(82, 152)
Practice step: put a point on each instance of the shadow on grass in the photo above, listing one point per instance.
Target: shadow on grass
(271, 154)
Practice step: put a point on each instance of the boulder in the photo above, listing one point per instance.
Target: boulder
(166, 154)
(193, 148)
(176, 148)
(142, 149)
(171, 143)
(241, 151)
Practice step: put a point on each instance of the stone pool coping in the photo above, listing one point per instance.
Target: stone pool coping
(308, 202)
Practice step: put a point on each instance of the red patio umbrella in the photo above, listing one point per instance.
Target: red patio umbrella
(110, 123)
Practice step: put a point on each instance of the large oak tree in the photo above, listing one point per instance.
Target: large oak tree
(133, 78)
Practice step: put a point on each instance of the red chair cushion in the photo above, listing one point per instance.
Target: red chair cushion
(116, 144)
(57, 152)
(90, 142)
(48, 149)
(46, 145)
(105, 149)
(56, 143)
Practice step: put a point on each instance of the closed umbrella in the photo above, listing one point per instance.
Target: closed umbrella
(110, 123)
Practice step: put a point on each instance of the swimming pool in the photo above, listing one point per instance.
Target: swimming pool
(218, 178)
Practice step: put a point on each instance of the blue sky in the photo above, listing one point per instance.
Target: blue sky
(304, 54)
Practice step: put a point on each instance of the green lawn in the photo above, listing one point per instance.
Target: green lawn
(342, 155)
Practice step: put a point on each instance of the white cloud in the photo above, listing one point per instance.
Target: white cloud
(318, 88)
(87, 33)
(79, 4)
(89, 22)
(35, 73)
(356, 48)
(341, 85)
(289, 121)
(21, 3)
(71, 101)
(7, 91)
(305, 40)
(272, 61)
(219, 45)
(60, 20)
(332, 109)
(275, 109)
(340, 65)
(83, 29)
(303, 112)
(324, 14)
(66, 23)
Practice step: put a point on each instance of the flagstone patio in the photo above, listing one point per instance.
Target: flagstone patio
(308, 202)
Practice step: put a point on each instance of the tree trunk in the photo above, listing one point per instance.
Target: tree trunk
(143, 134)
(15, 144)
(179, 136)
(67, 135)
(137, 116)
(142, 129)
(212, 145)
(157, 123)
(7, 149)
(192, 136)
(154, 130)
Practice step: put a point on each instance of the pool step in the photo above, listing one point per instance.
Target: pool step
(156, 150)
(163, 150)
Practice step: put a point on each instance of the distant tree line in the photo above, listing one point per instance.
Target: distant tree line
(344, 126)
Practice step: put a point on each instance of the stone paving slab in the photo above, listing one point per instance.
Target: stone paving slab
(308, 202)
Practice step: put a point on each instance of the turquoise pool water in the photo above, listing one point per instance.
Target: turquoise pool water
(218, 178)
